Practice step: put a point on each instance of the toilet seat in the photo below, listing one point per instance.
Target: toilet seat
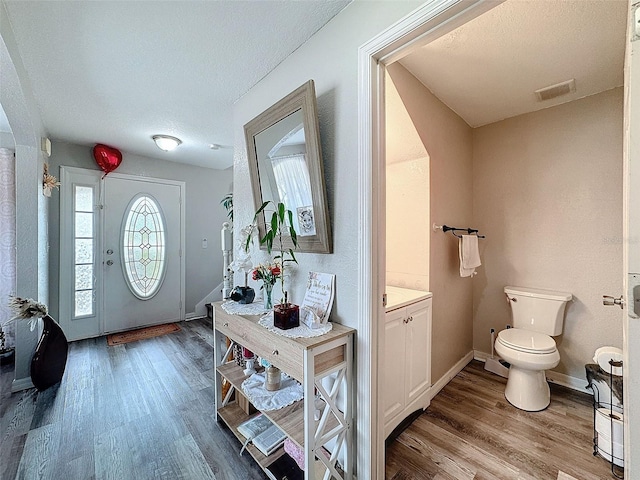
(526, 341)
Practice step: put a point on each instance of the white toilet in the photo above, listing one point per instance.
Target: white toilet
(538, 315)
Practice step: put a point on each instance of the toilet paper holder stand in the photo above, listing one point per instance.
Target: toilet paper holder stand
(608, 427)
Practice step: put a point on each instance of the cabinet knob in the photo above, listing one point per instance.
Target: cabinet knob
(410, 319)
(225, 324)
(275, 352)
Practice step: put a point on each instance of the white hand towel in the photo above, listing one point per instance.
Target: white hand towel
(469, 255)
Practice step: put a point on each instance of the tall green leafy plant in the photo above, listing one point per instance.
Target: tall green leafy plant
(280, 226)
(227, 203)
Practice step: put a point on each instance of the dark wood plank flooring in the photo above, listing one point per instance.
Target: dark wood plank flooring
(470, 431)
(143, 410)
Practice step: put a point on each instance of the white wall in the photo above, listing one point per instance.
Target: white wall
(31, 230)
(448, 141)
(330, 59)
(407, 197)
(547, 191)
(204, 215)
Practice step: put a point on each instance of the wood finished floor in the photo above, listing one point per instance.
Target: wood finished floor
(470, 431)
(143, 410)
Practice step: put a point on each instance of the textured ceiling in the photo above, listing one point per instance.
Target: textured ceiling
(488, 69)
(118, 72)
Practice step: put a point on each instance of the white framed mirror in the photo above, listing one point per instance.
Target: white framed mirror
(285, 165)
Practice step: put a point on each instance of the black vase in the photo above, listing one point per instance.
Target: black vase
(50, 359)
(243, 294)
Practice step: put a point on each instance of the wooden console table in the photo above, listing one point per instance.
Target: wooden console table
(324, 367)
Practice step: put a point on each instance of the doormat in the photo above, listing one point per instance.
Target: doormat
(141, 334)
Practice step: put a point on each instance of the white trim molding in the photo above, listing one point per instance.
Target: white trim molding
(21, 384)
(431, 20)
(452, 372)
(574, 383)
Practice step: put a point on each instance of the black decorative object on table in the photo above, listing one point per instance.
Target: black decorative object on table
(243, 295)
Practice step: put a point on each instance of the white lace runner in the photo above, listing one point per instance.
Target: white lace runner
(290, 392)
(235, 308)
(297, 332)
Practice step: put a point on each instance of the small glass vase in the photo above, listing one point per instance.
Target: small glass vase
(267, 289)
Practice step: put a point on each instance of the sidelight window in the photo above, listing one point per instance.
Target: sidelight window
(84, 247)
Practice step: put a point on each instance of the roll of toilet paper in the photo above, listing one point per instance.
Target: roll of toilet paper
(609, 427)
(604, 354)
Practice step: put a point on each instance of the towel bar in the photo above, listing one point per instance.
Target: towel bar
(453, 230)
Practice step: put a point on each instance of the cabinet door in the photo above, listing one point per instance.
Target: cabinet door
(394, 363)
(418, 329)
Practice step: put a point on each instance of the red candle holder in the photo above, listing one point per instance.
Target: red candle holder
(286, 316)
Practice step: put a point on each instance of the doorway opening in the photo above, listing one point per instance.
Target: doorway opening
(465, 183)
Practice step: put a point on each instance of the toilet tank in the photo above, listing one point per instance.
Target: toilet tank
(537, 310)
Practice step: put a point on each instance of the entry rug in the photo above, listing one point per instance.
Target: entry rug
(141, 334)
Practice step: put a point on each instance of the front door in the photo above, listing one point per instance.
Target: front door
(142, 253)
(121, 252)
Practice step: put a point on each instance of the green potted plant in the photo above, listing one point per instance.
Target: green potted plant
(285, 314)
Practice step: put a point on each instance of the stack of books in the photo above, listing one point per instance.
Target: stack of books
(263, 433)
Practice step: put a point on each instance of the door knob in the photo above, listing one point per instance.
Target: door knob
(109, 252)
(609, 300)
(109, 262)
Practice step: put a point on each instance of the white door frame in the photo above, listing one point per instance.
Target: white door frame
(430, 21)
(631, 235)
(65, 228)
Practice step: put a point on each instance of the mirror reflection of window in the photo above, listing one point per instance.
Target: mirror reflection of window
(294, 186)
(284, 173)
(285, 165)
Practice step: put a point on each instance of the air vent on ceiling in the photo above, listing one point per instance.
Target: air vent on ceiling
(547, 93)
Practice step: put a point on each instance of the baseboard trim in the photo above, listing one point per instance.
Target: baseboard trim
(452, 372)
(480, 356)
(573, 383)
(20, 384)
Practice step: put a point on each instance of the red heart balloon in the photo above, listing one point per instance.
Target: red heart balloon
(107, 158)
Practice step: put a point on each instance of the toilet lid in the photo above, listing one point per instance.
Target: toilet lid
(526, 341)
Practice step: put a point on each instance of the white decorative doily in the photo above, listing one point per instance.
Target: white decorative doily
(290, 392)
(296, 332)
(235, 308)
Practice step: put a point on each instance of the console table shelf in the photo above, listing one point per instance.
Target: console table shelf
(323, 364)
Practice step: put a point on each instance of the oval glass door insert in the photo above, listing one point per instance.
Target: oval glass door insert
(143, 246)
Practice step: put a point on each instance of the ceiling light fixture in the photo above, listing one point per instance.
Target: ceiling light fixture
(166, 142)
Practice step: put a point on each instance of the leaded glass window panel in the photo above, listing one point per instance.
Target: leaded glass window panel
(143, 247)
(83, 246)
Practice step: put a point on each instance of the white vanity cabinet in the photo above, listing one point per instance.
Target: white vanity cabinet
(407, 356)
